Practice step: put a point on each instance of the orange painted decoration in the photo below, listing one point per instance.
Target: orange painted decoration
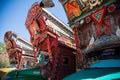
(73, 9)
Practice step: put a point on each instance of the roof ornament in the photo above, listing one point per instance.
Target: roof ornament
(46, 3)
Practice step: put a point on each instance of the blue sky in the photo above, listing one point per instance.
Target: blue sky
(13, 15)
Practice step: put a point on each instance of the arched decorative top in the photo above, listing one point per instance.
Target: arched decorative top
(32, 13)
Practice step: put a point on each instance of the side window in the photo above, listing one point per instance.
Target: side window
(65, 60)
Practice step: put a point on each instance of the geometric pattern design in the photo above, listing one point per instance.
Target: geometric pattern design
(98, 15)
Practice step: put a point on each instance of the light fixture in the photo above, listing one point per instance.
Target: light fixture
(82, 21)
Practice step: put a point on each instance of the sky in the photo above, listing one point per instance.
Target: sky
(13, 15)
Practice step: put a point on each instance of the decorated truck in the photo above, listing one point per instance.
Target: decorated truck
(96, 29)
(53, 51)
(96, 25)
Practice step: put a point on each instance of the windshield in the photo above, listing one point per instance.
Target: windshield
(105, 58)
(106, 64)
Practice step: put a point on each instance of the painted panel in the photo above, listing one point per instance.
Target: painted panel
(72, 9)
(96, 36)
(32, 13)
(87, 5)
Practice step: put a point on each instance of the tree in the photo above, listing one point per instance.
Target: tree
(4, 63)
(2, 47)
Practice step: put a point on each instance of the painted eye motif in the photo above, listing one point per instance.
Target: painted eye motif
(93, 2)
